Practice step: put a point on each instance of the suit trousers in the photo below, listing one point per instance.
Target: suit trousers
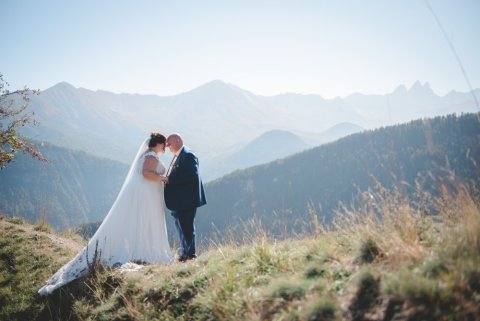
(184, 220)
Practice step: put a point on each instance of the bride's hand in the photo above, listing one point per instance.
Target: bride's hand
(164, 179)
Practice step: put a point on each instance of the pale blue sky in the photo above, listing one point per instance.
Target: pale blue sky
(331, 48)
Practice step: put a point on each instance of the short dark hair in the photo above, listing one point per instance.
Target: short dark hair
(155, 139)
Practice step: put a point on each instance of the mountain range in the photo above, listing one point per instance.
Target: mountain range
(219, 120)
(420, 156)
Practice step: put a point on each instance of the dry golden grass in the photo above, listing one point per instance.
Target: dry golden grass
(419, 258)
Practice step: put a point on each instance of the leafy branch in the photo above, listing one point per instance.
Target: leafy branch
(13, 115)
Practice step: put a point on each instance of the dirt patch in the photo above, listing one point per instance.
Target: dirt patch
(57, 240)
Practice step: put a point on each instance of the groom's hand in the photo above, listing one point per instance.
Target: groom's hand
(164, 179)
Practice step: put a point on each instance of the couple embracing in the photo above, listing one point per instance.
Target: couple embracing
(134, 229)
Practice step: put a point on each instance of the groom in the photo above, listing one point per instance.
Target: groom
(183, 194)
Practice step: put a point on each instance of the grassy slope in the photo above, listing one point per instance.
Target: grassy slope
(28, 256)
(406, 266)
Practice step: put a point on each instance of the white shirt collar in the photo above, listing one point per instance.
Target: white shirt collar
(179, 151)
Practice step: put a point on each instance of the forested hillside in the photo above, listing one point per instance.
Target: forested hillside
(279, 193)
(71, 188)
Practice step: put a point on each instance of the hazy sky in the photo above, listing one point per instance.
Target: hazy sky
(332, 48)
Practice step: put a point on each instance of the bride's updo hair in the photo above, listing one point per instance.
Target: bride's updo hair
(155, 139)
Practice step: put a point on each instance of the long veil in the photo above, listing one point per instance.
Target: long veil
(105, 238)
(135, 167)
(134, 174)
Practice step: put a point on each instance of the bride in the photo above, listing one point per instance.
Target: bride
(134, 228)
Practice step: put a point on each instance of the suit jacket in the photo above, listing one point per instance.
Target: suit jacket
(184, 190)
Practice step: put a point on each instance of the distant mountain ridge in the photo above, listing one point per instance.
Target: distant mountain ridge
(216, 117)
(338, 131)
(267, 147)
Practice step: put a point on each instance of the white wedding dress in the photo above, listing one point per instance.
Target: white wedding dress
(133, 230)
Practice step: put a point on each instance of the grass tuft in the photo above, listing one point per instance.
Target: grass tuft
(285, 289)
(315, 270)
(16, 220)
(410, 286)
(366, 295)
(368, 251)
(43, 226)
(320, 309)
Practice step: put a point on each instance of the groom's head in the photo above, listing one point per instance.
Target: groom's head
(174, 142)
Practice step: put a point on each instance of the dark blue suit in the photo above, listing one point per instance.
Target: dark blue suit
(183, 194)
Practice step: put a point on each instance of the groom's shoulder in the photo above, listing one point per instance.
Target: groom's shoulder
(187, 150)
(190, 154)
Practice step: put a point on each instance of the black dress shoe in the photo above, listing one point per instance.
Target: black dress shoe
(183, 259)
